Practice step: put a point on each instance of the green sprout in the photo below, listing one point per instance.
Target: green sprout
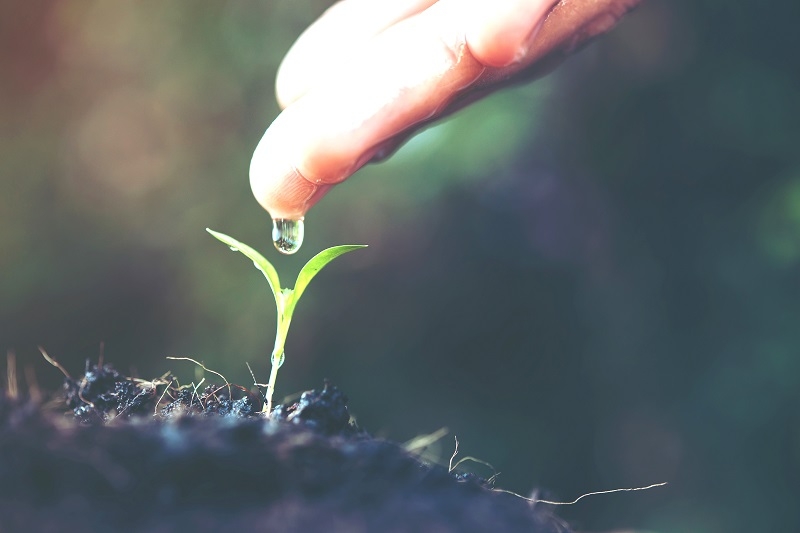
(285, 299)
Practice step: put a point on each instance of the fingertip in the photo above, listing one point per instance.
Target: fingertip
(278, 185)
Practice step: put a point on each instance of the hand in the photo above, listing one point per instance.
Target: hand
(369, 73)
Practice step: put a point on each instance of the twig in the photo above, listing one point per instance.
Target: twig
(166, 389)
(582, 496)
(201, 365)
(194, 393)
(83, 384)
(257, 384)
(476, 460)
(455, 452)
(452, 466)
(423, 441)
(34, 392)
(54, 362)
(11, 374)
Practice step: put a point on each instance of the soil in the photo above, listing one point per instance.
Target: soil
(133, 455)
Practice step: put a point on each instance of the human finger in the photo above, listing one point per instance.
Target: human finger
(337, 34)
(500, 32)
(407, 73)
(568, 27)
(411, 73)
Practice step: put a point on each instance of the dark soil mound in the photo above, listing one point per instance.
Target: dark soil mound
(126, 460)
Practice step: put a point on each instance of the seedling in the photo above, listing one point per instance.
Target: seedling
(285, 299)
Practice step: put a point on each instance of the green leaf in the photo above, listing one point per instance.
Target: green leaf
(258, 260)
(314, 265)
(285, 299)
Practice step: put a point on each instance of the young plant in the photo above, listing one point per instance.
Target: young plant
(285, 299)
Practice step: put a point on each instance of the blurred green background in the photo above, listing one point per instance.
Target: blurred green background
(593, 281)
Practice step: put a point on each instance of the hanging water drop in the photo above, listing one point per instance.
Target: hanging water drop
(287, 234)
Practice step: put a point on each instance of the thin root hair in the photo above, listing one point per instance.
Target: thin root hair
(201, 365)
(582, 496)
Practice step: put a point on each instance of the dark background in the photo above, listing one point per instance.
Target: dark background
(592, 280)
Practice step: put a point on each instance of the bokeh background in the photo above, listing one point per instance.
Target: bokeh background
(593, 280)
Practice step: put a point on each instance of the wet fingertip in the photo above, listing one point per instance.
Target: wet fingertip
(288, 196)
(277, 185)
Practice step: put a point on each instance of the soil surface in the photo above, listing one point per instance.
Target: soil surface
(134, 455)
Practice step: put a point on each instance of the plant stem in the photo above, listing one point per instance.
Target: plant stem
(277, 357)
(273, 375)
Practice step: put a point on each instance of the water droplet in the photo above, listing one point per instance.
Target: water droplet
(287, 234)
(233, 248)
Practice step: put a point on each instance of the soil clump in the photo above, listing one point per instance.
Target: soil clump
(136, 455)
